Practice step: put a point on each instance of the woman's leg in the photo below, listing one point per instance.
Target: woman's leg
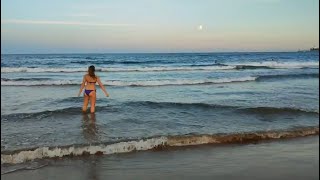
(85, 103)
(92, 101)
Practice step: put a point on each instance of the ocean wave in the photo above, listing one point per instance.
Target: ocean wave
(40, 70)
(243, 67)
(43, 114)
(152, 143)
(192, 67)
(13, 82)
(32, 81)
(120, 62)
(25, 79)
(262, 109)
(276, 65)
(279, 76)
(160, 82)
(128, 83)
(156, 105)
(115, 69)
(272, 110)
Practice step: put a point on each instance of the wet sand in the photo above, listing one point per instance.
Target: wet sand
(285, 159)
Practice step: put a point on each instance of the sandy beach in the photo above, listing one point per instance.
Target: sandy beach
(292, 159)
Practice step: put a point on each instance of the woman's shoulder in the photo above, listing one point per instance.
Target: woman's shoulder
(87, 76)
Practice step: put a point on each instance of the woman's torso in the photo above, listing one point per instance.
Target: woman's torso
(90, 82)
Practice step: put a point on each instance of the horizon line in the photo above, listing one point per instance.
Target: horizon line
(203, 52)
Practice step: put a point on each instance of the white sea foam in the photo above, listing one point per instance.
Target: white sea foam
(114, 69)
(39, 83)
(46, 152)
(180, 82)
(284, 65)
(150, 69)
(270, 64)
(129, 83)
(40, 70)
(152, 143)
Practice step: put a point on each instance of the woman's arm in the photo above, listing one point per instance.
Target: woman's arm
(82, 85)
(102, 87)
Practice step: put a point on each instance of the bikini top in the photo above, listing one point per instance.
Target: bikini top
(92, 82)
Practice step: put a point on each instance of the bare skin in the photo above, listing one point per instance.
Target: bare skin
(92, 95)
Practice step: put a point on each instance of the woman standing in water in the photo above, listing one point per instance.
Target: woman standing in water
(89, 81)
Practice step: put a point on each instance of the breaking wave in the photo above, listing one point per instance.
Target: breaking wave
(286, 76)
(152, 143)
(151, 104)
(13, 82)
(114, 69)
(277, 65)
(215, 106)
(194, 67)
(52, 82)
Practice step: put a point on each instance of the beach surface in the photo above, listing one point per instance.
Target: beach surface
(292, 159)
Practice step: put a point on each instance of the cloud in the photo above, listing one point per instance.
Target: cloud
(49, 22)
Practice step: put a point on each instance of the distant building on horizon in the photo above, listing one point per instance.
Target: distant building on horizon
(314, 49)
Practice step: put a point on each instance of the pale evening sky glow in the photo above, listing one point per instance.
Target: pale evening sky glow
(40, 26)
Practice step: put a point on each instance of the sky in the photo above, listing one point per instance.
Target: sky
(142, 26)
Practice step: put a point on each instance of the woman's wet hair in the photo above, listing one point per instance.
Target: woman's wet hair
(91, 71)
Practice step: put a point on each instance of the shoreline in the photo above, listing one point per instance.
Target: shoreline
(296, 158)
(152, 143)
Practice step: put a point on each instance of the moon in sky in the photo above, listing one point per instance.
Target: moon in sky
(200, 27)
